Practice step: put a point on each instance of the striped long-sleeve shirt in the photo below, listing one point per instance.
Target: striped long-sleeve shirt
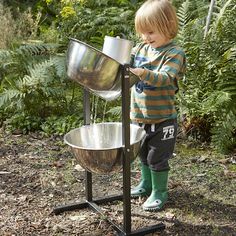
(163, 67)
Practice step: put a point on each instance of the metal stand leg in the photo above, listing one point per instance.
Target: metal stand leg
(126, 144)
(126, 229)
(88, 175)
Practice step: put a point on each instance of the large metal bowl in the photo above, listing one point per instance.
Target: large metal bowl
(98, 147)
(99, 73)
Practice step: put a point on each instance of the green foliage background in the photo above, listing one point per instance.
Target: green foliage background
(207, 96)
(35, 93)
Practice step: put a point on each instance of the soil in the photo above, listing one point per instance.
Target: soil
(37, 174)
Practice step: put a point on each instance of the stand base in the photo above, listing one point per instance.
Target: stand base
(126, 229)
(93, 205)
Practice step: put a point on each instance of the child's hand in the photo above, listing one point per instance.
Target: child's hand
(137, 71)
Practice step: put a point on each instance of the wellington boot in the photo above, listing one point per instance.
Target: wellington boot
(144, 188)
(159, 192)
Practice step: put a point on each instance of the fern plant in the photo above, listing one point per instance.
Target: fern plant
(34, 82)
(208, 93)
(95, 19)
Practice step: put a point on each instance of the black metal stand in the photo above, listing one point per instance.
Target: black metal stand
(93, 203)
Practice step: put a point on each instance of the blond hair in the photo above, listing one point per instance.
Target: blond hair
(157, 15)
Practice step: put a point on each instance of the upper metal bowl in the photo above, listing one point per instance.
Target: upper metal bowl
(98, 147)
(99, 73)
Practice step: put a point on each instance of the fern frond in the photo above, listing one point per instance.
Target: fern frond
(224, 132)
(222, 13)
(4, 55)
(230, 54)
(116, 111)
(183, 14)
(230, 87)
(36, 49)
(215, 101)
(8, 95)
(59, 62)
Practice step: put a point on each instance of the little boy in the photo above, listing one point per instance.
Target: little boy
(159, 63)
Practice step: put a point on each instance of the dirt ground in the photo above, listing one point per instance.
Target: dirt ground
(37, 174)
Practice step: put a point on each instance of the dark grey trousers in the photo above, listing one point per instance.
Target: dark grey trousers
(158, 145)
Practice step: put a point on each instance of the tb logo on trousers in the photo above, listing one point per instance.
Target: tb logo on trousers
(168, 132)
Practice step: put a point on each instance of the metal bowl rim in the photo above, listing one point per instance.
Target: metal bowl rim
(94, 49)
(103, 149)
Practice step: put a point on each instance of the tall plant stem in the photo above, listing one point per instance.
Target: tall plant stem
(208, 21)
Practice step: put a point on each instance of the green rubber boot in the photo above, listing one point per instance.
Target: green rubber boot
(145, 186)
(159, 193)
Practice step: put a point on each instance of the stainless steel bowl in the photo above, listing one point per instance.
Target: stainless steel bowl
(98, 147)
(99, 73)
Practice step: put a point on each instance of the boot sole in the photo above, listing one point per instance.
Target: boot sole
(139, 195)
(152, 209)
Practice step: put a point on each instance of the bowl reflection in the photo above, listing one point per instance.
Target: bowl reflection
(98, 147)
(99, 73)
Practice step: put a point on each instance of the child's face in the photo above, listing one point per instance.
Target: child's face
(154, 38)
